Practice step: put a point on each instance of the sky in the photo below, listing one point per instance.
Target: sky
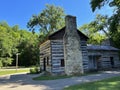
(19, 12)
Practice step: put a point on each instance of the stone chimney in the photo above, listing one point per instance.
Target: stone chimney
(71, 27)
(72, 50)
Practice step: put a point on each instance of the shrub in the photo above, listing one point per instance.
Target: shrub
(1, 63)
(34, 70)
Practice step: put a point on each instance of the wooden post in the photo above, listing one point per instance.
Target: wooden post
(16, 61)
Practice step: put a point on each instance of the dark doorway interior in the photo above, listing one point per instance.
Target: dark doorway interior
(44, 64)
(112, 62)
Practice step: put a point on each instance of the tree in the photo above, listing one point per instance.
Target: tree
(13, 41)
(96, 30)
(49, 20)
(28, 48)
(99, 3)
(114, 20)
(6, 44)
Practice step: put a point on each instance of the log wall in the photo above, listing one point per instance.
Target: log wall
(45, 53)
(84, 55)
(104, 60)
(57, 53)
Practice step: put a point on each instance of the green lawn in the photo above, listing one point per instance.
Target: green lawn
(51, 77)
(106, 84)
(13, 71)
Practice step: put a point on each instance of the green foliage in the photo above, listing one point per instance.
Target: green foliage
(28, 48)
(34, 70)
(12, 41)
(116, 38)
(7, 61)
(99, 3)
(49, 20)
(113, 22)
(96, 30)
(1, 64)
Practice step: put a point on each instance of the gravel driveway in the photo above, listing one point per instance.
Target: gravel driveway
(25, 82)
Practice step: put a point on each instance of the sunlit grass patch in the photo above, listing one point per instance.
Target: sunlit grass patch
(106, 84)
(13, 71)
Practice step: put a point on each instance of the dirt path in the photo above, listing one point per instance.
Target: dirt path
(25, 82)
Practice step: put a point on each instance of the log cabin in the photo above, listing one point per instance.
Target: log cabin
(66, 52)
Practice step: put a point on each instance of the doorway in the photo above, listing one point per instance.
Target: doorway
(94, 62)
(44, 64)
(112, 62)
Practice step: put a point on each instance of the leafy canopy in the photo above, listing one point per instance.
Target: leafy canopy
(12, 41)
(49, 20)
(114, 20)
(96, 30)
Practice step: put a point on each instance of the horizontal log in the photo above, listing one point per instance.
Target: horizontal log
(45, 50)
(44, 47)
(55, 41)
(57, 57)
(57, 51)
(57, 46)
(45, 43)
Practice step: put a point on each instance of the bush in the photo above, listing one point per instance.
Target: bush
(34, 70)
(1, 63)
(4, 62)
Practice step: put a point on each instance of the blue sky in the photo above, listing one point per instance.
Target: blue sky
(18, 12)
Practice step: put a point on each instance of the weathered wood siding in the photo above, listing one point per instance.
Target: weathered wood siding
(45, 52)
(83, 44)
(104, 60)
(57, 53)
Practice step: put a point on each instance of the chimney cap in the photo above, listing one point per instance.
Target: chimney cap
(70, 16)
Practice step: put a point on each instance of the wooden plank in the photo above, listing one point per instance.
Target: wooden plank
(45, 43)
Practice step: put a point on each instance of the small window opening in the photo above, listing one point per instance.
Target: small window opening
(62, 63)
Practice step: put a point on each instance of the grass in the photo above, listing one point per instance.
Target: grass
(48, 76)
(51, 77)
(13, 71)
(106, 84)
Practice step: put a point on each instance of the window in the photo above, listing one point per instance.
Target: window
(47, 61)
(62, 63)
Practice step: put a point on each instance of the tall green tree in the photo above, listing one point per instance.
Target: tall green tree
(28, 48)
(96, 30)
(7, 44)
(13, 41)
(114, 20)
(49, 20)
